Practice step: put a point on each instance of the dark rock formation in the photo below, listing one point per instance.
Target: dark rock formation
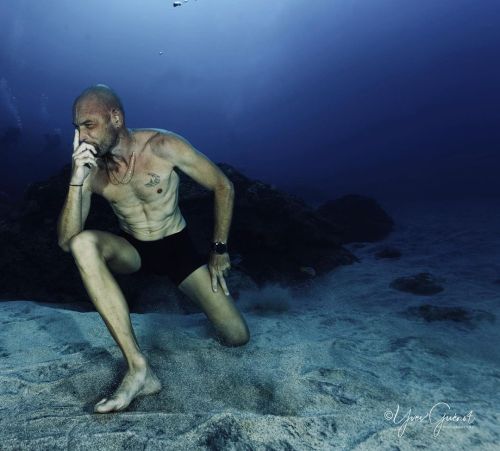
(441, 313)
(274, 237)
(273, 232)
(422, 283)
(358, 218)
(387, 252)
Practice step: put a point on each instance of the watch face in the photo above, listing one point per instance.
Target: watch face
(220, 248)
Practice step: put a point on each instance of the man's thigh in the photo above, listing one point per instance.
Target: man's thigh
(120, 256)
(219, 308)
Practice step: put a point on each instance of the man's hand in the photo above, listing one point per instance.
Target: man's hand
(219, 265)
(83, 159)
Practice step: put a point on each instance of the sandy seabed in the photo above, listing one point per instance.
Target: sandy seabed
(339, 365)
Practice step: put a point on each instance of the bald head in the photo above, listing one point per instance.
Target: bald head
(98, 115)
(101, 97)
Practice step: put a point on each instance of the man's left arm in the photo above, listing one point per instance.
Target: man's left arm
(196, 165)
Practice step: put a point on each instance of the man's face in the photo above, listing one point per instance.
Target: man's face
(94, 126)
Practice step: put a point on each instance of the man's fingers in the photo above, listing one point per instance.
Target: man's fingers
(223, 284)
(88, 160)
(217, 275)
(83, 147)
(84, 161)
(85, 158)
(83, 153)
(76, 139)
(214, 281)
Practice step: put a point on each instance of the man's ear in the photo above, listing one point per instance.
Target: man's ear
(116, 118)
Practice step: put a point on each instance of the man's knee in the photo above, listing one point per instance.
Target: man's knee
(237, 336)
(83, 245)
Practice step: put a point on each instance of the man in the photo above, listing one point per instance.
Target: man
(133, 169)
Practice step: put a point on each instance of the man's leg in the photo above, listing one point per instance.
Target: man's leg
(219, 308)
(96, 253)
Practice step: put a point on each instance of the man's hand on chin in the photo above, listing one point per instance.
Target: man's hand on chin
(219, 266)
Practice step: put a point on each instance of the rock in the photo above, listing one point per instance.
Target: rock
(308, 270)
(422, 283)
(441, 313)
(388, 252)
(360, 218)
(273, 232)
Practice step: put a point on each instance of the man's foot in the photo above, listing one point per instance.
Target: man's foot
(135, 383)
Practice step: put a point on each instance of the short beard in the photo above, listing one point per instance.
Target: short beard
(110, 142)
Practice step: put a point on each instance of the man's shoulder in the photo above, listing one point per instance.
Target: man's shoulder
(149, 133)
(161, 142)
(153, 136)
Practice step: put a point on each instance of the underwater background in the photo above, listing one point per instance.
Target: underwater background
(362, 138)
(396, 99)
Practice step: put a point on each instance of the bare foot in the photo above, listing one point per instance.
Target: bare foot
(135, 383)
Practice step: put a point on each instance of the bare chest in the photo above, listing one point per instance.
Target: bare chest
(153, 181)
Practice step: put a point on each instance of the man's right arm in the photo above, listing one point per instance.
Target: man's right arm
(74, 213)
(77, 204)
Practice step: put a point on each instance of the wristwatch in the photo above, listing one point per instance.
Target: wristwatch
(219, 247)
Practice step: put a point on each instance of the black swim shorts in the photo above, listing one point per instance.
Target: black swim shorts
(174, 255)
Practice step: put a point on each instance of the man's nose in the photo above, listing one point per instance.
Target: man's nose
(83, 137)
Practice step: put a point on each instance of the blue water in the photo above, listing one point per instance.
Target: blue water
(387, 98)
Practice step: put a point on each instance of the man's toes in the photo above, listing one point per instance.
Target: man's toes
(104, 406)
(101, 401)
(99, 404)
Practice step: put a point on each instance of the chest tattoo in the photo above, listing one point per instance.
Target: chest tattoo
(155, 179)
